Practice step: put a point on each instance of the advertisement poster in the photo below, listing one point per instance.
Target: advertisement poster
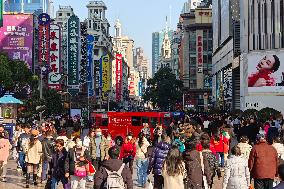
(140, 88)
(266, 72)
(76, 114)
(54, 75)
(105, 76)
(16, 37)
(44, 39)
(118, 77)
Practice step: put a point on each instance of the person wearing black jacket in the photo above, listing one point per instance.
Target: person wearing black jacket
(57, 165)
(48, 151)
(272, 133)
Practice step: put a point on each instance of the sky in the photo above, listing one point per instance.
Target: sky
(139, 18)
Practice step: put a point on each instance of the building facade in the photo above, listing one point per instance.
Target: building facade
(28, 6)
(226, 55)
(262, 42)
(98, 26)
(197, 57)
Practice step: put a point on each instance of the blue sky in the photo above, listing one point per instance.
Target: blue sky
(139, 18)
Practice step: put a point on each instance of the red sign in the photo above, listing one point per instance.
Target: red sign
(118, 77)
(199, 52)
(54, 75)
(44, 44)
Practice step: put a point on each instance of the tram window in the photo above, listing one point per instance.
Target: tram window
(105, 122)
(153, 122)
(145, 120)
(136, 121)
(166, 122)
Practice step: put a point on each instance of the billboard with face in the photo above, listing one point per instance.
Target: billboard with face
(266, 72)
(16, 37)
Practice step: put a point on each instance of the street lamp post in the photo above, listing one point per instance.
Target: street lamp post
(42, 69)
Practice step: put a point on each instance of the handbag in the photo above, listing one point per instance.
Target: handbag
(205, 183)
(80, 171)
(48, 184)
(92, 169)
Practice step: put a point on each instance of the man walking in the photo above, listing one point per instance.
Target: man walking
(263, 162)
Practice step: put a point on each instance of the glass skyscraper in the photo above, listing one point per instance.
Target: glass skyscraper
(29, 6)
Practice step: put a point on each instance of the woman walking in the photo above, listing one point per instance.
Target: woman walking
(128, 151)
(174, 170)
(237, 173)
(141, 159)
(157, 159)
(33, 152)
(4, 151)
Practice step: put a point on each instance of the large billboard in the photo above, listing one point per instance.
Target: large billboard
(16, 37)
(118, 77)
(54, 75)
(105, 76)
(266, 72)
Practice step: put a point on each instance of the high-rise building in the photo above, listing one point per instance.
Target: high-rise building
(28, 6)
(226, 55)
(157, 42)
(197, 56)
(98, 26)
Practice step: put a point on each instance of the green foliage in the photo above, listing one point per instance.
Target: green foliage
(249, 112)
(265, 113)
(16, 77)
(164, 90)
(53, 103)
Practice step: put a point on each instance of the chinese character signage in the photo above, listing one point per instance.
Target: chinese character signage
(54, 75)
(105, 76)
(118, 77)
(140, 88)
(16, 37)
(73, 51)
(131, 83)
(43, 39)
(200, 53)
(90, 69)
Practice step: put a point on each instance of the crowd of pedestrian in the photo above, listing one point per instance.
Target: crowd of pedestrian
(190, 153)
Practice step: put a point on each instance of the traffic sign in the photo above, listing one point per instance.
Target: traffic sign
(1, 119)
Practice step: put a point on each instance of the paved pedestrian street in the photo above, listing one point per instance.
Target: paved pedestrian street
(16, 181)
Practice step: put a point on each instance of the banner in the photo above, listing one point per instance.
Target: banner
(266, 72)
(73, 54)
(90, 69)
(44, 39)
(140, 89)
(16, 37)
(118, 77)
(54, 75)
(105, 76)
(200, 53)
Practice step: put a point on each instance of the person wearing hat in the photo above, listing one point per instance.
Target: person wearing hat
(263, 163)
(33, 152)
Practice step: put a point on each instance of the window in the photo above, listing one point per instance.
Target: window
(90, 23)
(166, 121)
(68, 14)
(153, 122)
(96, 52)
(105, 122)
(136, 121)
(60, 14)
(145, 120)
(91, 11)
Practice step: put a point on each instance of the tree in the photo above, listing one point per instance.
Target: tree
(53, 103)
(16, 77)
(164, 90)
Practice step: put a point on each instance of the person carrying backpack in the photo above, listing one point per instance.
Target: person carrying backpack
(113, 174)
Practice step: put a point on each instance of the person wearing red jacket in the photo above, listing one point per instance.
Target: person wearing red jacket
(128, 151)
(219, 143)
